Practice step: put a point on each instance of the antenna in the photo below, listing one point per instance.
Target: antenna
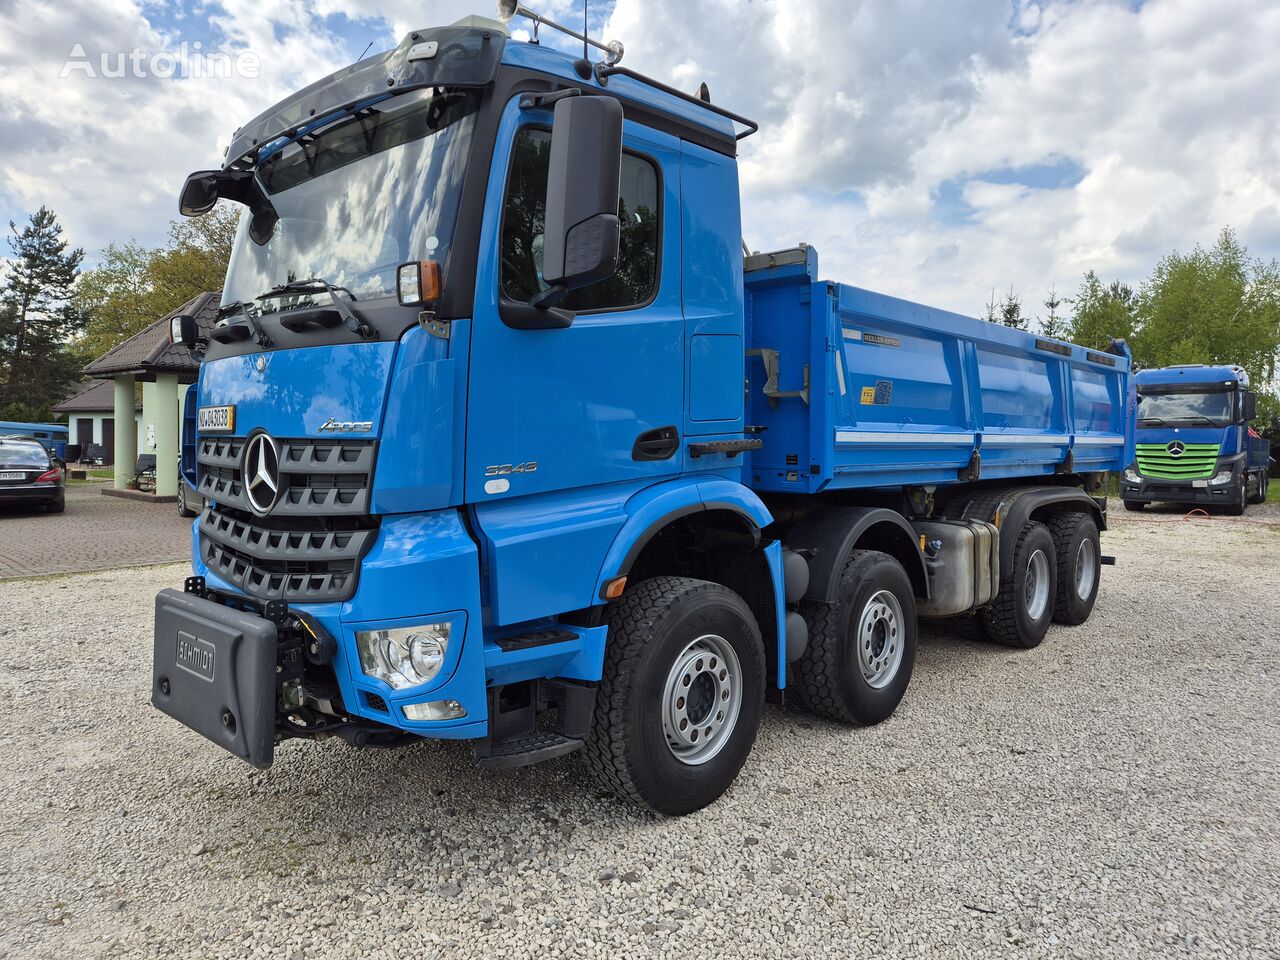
(583, 66)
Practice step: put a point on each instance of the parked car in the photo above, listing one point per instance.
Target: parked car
(190, 503)
(30, 474)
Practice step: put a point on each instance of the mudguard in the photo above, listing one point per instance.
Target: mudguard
(654, 507)
(826, 536)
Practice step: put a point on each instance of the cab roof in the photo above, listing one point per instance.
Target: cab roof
(1193, 373)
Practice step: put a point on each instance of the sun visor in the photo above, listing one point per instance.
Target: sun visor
(456, 56)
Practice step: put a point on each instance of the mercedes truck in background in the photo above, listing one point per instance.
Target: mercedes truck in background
(1194, 444)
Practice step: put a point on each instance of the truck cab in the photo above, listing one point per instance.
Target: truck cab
(1193, 442)
(501, 438)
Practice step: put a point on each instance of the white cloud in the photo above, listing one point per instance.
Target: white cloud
(869, 110)
(914, 143)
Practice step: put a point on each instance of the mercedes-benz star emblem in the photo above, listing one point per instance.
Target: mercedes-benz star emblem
(1176, 448)
(261, 364)
(261, 473)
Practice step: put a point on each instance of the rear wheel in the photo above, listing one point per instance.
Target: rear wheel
(1075, 535)
(57, 506)
(680, 701)
(1020, 614)
(862, 647)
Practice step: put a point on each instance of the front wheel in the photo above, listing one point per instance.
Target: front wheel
(862, 647)
(682, 694)
(1260, 496)
(1133, 505)
(1236, 508)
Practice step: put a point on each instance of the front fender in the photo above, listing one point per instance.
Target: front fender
(654, 507)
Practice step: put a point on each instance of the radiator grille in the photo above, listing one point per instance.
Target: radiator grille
(1195, 461)
(310, 545)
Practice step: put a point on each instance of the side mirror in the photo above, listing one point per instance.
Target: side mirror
(582, 231)
(183, 329)
(199, 193)
(1250, 405)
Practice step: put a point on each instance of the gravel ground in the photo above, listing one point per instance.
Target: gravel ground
(1113, 793)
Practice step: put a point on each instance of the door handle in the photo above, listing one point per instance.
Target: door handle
(659, 444)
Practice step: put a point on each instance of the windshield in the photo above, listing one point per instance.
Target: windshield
(1185, 406)
(355, 200)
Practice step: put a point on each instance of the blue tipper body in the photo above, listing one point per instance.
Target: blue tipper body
(842, 387)
(902, 394)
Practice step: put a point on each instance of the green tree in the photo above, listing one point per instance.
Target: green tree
(1212, 306)
(1100, 313)
(990, 311)
(38, 317)
(114, 297)
(1054, 325)
(1010, 311)
(133, 286)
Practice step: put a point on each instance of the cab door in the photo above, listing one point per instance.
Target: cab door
(599, 401)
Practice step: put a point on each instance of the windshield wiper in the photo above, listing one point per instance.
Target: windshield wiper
(257, 334)
(1153, 420)
(319, 285)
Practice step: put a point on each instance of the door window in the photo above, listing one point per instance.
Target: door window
(636, 279)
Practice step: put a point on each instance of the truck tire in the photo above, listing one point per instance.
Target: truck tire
(1261, 495)
(1134, 505)
(681, 697)
(1079, 566)
(1019, 616)
(1236, 509)
(862, 647)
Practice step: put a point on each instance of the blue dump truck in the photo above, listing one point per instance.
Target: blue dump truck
(1193, 441)
(502, 438)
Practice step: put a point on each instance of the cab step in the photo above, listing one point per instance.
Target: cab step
(530, 748)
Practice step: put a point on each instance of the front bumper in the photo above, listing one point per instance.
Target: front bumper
(424, 568)
(1159, 490)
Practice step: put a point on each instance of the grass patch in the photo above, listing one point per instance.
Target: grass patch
(95, 475)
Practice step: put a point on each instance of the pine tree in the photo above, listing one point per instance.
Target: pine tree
(989, 312)
(37, 318)
(1010, 313)
(1054, 324)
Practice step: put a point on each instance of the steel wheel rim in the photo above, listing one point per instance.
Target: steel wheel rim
(880, 639)
(1086, 569)
(1036, 588)
(701, 699)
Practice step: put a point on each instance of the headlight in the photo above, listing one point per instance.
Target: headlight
(403, 657)
(1222, 476)
(1131, 475)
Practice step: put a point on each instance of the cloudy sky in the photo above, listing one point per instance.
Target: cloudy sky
(932, 149)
